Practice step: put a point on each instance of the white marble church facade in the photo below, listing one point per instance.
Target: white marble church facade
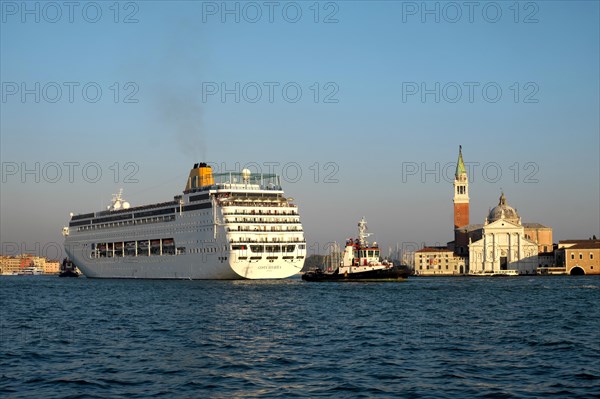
(503, 247)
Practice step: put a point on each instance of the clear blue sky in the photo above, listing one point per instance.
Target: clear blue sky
(368, 130)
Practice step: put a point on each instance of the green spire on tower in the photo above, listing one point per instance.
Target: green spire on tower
(460, 165)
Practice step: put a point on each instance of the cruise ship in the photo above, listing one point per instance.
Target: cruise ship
(225, 226)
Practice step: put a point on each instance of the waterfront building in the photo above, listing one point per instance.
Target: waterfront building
(578, 257)
(438, 261)
(51, 266)
(547, 262)
(9, 265)
(536, 232)
(541, 235)
(504, 245)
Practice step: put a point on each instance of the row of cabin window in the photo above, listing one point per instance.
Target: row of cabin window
(266, 248)
(135, 248)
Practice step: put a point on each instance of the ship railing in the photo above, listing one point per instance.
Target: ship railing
(245, 187)
(271, 240)
(120, 224)
(255, 203)
(258, 229)
(267, 180)
(260, 213)
(244, 221)
(136, 208)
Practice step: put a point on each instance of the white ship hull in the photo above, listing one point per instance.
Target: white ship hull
(188, 267)
(223, 231)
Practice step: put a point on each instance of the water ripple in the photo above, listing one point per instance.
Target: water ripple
(425, 338)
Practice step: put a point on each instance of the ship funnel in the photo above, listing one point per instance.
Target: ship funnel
(200, 176)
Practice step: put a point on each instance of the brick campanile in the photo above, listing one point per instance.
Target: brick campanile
(461, 193)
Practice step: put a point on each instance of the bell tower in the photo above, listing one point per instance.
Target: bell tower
(461, 193)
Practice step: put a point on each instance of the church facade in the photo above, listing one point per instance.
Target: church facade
(503, 246)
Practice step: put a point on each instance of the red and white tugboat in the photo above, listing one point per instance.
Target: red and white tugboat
(360, 262)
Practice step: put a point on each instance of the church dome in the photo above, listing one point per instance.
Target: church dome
(503, 211)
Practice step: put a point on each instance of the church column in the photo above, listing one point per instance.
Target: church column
(509, 249)
(484, 254)
(493, 251)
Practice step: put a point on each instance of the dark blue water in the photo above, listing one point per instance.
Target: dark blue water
(426, 337)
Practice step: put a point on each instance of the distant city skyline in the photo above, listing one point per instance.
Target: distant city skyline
(361, 107)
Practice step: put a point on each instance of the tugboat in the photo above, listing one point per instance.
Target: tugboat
(360, 262)
(68, 269)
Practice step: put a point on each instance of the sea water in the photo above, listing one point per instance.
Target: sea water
(482, 337)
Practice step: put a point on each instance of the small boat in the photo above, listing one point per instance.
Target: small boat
(29, 271)
(68, 269)
(360, 262)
